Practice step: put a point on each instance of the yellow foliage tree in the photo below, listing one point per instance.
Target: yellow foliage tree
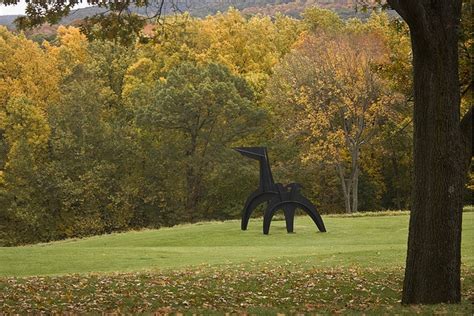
(250, 47)
(28, 83)
(72, 49)
(336, 101)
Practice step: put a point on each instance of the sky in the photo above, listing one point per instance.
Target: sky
(20, 8)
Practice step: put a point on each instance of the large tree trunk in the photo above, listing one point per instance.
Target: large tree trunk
(432, 272)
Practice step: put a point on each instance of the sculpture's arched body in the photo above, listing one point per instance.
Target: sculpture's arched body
(288, 198)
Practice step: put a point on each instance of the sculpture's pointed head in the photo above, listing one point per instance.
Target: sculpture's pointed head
(252, 152)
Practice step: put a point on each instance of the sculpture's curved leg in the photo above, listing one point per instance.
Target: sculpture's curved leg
(289, 211)
(268, 215)
(272, 208)
(310, 209)
(254, 200)
(302, 203)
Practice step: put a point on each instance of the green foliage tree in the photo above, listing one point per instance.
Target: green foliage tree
(24, 202)
(203, 110)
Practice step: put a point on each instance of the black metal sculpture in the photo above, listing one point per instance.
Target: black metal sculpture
(288, 198)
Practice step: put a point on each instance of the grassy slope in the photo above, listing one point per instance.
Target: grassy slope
(361, 241)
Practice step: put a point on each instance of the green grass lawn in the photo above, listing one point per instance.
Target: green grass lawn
(357, 266)
(362, 241)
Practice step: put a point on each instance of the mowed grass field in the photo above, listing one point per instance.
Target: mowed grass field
(207, 267)
(363, 241)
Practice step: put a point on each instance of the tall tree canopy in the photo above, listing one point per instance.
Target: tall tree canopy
(336, 99)
(204, 109)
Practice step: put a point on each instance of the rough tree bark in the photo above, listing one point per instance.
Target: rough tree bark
(432, 272)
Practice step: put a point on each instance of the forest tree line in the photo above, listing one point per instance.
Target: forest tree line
(99, 135)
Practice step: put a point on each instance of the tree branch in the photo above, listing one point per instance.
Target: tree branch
(412, 11)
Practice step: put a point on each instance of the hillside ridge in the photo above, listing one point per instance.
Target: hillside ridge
(345, 8)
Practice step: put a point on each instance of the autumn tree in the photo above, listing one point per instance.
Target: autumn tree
(316, 19)
(337, 102)
(392, 148)
(28, 84)
(249, 47)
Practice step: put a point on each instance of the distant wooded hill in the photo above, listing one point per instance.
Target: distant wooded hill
(345, 8)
